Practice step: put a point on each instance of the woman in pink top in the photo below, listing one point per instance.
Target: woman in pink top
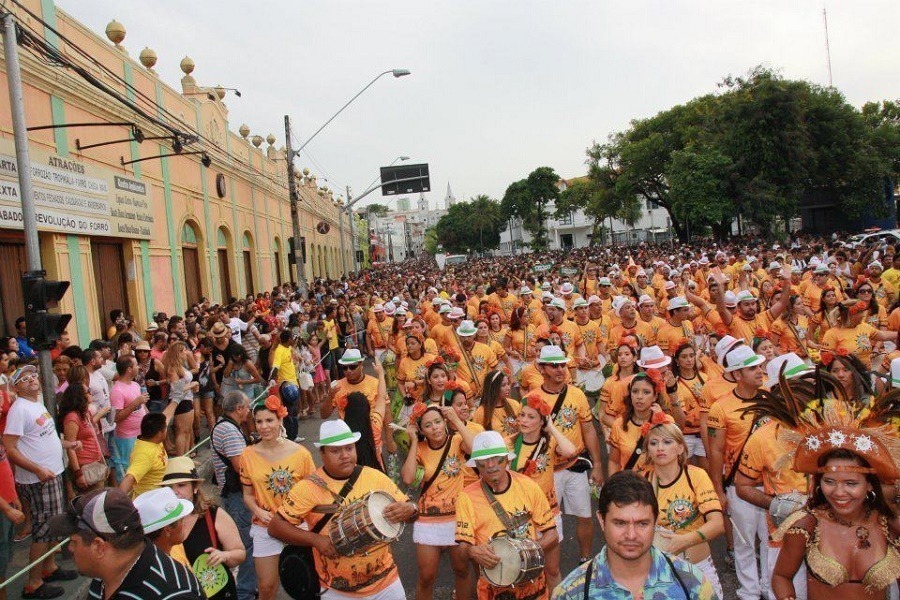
(79, 425)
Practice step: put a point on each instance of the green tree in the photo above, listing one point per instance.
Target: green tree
(754, 150)
(472, 226)
(431, 241)
(527, 199)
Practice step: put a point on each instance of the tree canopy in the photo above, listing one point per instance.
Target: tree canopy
(527, 199)
(472, 226)
(756, 149)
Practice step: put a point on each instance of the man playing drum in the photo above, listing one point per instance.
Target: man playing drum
(370, 572)
(505, 523)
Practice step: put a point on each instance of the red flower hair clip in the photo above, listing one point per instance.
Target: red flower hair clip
(656, 377)
(657, 417)
(418, 410)
(273, 403)
(437, 360)
(535, 401)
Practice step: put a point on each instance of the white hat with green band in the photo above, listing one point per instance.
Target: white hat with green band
(336, 433)
(351, 357)
(488, 444)
(552, 355)
(742, 357)
(161, 507)
(788, 364)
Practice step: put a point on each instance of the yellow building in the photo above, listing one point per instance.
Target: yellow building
(154, 235)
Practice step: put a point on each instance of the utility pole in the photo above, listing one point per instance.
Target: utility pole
(29, 215)
(343, 243)
(295, 211)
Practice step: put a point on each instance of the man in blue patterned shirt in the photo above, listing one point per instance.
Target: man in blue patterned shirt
(629, 567)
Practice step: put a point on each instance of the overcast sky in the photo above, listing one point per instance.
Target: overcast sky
(498, 88)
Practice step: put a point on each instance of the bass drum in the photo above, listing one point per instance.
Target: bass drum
(521, 560)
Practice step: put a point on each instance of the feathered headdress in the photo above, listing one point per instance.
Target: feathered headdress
(818, 418)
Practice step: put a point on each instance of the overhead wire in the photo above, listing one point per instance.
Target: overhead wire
(45, 52)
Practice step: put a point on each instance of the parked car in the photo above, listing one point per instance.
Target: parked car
(891, 236)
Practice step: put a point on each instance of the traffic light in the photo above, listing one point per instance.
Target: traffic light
(43, 328)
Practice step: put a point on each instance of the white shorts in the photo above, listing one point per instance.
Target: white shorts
(694, 445)
(391, 592)
(441, 533)
(573, 493)
(263, 543)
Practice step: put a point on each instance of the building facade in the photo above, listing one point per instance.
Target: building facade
(203, 215)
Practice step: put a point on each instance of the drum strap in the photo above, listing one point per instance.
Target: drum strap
(330, 511)
(498, 510)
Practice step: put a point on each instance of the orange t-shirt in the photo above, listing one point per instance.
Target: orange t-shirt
(574, 412)
(477, 523)
(726, 415)
(439, 502)
(358, 575)
(272, 481)
(856, 341)
(508, 425)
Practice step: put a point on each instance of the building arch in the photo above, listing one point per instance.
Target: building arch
(225, 259)
(193, 269)
(248, 252)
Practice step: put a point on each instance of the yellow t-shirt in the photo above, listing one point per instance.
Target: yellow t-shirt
(668, 336)
(508, 425)
(856, 341)
(147, 466)
(272, 481)
(625, 441)
(612, 394)
(414, 370)
(542, 471)
(477, 523)
(359, 575)
(439, 502)
(574, 412)
(684, 503)
(726, 415)
(283, 360)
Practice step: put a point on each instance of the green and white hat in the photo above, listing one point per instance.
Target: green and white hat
(552, 355)
(161, 507)
(488, 444)
(336, 433)
(742, 357)
(351, 357)
(792, 365)
(466, 328)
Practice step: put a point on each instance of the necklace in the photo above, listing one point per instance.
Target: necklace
(862, 532)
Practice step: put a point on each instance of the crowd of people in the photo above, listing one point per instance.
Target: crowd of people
(671, 394)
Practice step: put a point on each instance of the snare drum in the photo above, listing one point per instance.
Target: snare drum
(521, 560)
(361, 526)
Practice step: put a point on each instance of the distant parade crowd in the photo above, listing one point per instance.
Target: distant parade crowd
(671, 395)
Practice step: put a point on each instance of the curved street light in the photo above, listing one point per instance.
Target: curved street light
(395, 72)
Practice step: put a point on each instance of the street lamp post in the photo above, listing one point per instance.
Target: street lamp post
(292, 188)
